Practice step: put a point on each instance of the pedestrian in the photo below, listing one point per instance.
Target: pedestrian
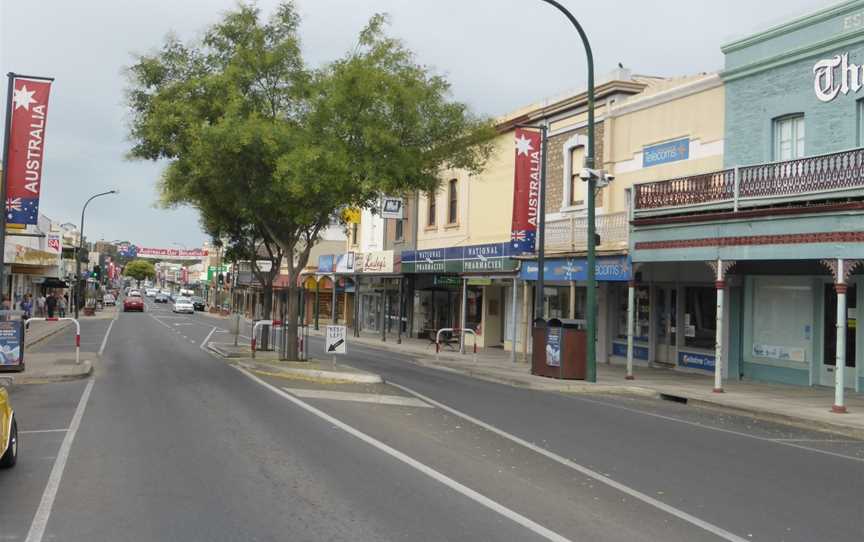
(61, 306)
(51, 305)
(40, 305)
(27, 306)
(6, 303)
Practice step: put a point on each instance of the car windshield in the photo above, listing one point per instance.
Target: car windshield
(198, 299)
(134, 294)
(183, 300)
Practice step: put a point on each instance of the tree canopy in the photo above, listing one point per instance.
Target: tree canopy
(140, 269)
(270, 150)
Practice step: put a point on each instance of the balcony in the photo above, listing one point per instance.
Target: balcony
(825, 177)
(571, 234)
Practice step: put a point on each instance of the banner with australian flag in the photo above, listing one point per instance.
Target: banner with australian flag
(28, 114)
(526, 191)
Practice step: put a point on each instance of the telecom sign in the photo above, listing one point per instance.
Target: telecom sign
(336, 340)
(663, 153)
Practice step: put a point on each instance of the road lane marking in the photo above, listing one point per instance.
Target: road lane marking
(160, 321)
(43, 513)
(105, 339)
(203, 344)
(514, 516)
(636, 494)
(395, 400)
(33, 431)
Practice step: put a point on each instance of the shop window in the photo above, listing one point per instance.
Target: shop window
(430, 210)
(452, 201)
(556, 302)
(700, 317)
(474, 310)
(789, 137)
(643, 311)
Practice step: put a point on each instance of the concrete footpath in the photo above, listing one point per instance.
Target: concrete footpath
(51, 366)
(794, 405)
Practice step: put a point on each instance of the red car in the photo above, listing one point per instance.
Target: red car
(133, 302)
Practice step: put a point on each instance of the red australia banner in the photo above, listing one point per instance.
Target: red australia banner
(526, 191)
(26, 150)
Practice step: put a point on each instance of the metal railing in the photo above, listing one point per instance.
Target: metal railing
(749, 185)
(56, 319)
(570, 234)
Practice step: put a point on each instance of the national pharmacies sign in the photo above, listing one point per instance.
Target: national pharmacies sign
(492, 257)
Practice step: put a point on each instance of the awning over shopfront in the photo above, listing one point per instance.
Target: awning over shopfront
(606, 268)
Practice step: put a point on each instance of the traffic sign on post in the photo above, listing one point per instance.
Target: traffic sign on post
(336, 340)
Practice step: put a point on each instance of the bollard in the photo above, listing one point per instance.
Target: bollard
(253, 346)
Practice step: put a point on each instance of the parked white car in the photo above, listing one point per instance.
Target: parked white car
(183, 304)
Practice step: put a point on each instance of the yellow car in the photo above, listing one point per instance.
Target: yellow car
(8, 428)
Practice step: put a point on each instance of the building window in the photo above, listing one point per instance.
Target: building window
(452, 201)
(860, 105)
(354, 226)
(400, 229)
(789, 137)
(430, 215)
(700, 317)
(577, 185)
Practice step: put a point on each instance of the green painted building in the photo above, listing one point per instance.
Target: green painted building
(774, 243)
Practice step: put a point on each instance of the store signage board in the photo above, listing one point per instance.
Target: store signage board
(392, 208)
(834, 76)
(468, 259)
(606, 268)
(663, 153)
(337, 340)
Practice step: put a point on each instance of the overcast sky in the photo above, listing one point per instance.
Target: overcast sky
(498, 55)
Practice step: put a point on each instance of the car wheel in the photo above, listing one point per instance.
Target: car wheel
(11, 456)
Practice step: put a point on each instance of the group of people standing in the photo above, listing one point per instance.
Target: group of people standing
(45, 306)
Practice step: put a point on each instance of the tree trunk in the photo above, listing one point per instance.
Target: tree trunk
(290, 323)
(267, 314)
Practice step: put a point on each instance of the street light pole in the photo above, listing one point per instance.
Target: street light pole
(81, 247)
(591, 297)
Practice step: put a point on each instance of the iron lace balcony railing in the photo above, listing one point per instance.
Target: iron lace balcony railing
(816, 177)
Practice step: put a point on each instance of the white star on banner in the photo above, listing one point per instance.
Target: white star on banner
(23, 97)
(523, 145)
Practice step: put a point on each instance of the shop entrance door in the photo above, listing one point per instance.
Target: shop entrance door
(666, 340)
(829, 358)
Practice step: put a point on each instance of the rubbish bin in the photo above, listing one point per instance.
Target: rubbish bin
(559, 349)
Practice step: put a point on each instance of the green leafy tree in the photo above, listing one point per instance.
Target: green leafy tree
(269, 150)
(140, 270)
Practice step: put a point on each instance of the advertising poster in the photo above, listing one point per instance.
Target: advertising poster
(553, 346)
(11, 343)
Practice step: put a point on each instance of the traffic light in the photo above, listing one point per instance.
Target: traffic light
(97, 273)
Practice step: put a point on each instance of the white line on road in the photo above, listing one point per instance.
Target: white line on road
(203, 344)
(395, 400)
(32, 431)
(428, 471)
(636, 494)
(105, 339)
(160, 321)
(43, 513)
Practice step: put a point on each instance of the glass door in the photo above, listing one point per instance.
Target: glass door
(666, 308)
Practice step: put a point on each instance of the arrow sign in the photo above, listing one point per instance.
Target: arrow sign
(336, 340)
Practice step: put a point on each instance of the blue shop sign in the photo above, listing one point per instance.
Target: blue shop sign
(325, 263)
(606, 268)
(696, 361)
(663, 153)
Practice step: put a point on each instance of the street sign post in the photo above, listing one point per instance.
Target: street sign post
(336, 341)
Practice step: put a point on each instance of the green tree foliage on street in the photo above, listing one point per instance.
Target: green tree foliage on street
(140, 270)
(269, 150)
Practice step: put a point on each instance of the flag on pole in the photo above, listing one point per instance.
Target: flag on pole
(26, 149)
(526, 191)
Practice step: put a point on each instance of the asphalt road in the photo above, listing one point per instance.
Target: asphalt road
(175, 444)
